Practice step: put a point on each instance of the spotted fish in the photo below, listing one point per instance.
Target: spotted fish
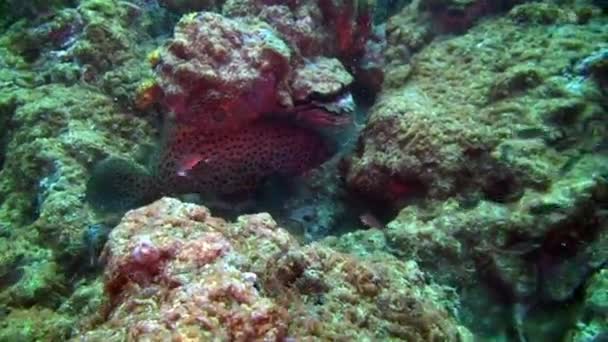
(193, 160)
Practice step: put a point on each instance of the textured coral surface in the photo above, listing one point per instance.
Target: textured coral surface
(496, 140)
(176, 272)
(467, 200)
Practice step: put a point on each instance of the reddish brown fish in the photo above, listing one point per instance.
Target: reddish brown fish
(228, 163)
(195, 161)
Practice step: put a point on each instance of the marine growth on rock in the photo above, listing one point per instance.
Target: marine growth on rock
(303, 170)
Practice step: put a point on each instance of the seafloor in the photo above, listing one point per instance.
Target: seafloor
(467, 199)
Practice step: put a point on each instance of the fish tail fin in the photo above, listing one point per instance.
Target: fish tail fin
(119, 184)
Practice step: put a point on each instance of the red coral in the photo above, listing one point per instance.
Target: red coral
(351, 20)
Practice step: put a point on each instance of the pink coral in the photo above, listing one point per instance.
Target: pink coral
(145, 253)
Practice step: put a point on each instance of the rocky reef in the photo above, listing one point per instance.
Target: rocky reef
(495, 140)
(64, 102)
(176, 272)
(466, 199)
(222, 71)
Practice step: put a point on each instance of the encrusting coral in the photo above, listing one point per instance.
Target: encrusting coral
(483, 154)
(174, 271)
(496, 144)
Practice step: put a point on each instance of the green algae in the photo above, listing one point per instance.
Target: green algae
(592, 312)
(506, 138)
(14, 10)
(54, 142)
(35, 324)
(55, 122)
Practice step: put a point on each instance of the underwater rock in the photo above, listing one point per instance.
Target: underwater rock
(527, 256)
(514, 145)
(596, 299)
(189, 272)
(13, 10)
(316, 223)
(73, 45)
(543, 13)
(319, 78)
(407, 32)
(406, 150)
(300, 24)
(58, 121)
(6, 111)
(518, 79)
(186, 6)
(437, 142)
(56, 133)
(459, 15)
(174, 270)
(226, 73)
(225, 68)
(591, 322)
(36, 324)
(27, 274)
(313, 28)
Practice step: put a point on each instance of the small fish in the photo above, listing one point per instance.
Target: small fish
(371, 221)
(223, 163)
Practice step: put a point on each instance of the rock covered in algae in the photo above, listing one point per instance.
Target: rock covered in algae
(503, 162)
(459, 15)
(187, 6)
(300, 24)
(488, 125)
(533, 248)
(591, 318)
(54, 141)
(319, 77)
(227, 72)
(226, 67)
(99, 43)
(35, 325)
(267, 59)
(175, 271)
(55, 123)
(13, 10)
(314, 27)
